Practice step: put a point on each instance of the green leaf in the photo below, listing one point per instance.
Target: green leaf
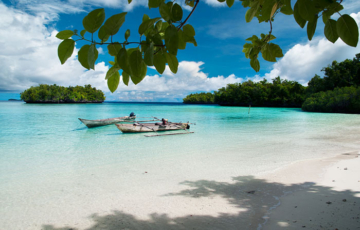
(113, 24)
(254, 38)
(65, 34)
(159, 62)
(306, 9)
(330, 30)
(189, 30)
(182, 42)
(103, 34)
(113, 81)
(123, 60)
(127, 34)
(82, 33)
(286, 8)
(111, 72)
(149, 55)
(147, 24)
(250, 13)
(92, 56)
(326, 15)
(311, 28)
(247, 45)
(112, 63)
(65, 50)
(271, 51)
(94, 20)
(83, 56)
(125, 77)
(229, 3)
(191, 40)
(347, 30)
(172, 61)
(255, 64)
(114, 48)
(145, 18)
(137, 66)
(165, 12)
(154, 3)
(298, 17)
(172, 39)
(176, 12)
(158, 26)
(129, 1)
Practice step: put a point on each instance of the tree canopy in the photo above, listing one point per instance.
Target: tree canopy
(163, 36)
(60, 94)
(338, 91)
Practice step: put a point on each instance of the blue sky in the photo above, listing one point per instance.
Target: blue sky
(29, 49)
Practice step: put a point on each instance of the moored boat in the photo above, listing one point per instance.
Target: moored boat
(151, 127)
(108, 121)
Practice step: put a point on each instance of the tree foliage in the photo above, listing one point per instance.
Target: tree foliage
(200, 98)
(345, 73)
(60, 94)
(163, 36)
(339, 100)
(279, 93)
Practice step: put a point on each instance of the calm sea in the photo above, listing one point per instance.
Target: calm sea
(46, 139)
(46, 148)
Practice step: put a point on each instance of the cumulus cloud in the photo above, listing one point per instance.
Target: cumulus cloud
(215, 3)
(29, 57)
(189, 78)
(303, 61)
(29, 54)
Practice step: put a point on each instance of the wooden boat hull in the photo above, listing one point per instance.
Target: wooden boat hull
(151, 127)
(103, 122)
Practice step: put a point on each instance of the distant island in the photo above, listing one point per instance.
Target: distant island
(60, 94)
(14, 99)
(337, 92)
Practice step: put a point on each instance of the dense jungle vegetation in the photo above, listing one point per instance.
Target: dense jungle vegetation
(60, 94)
(337, 91)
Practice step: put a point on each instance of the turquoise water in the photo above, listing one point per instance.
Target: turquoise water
(45, 150)
(37, 138)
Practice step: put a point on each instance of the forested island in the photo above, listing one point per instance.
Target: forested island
(337, 91)
(60, 94)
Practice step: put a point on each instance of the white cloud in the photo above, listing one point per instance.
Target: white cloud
(303, 61)
(215, 3)
(29, 57)
(29, 54)
(169, 86)
(117, 4)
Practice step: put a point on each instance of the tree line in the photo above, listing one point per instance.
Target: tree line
(60, 94)
(337, 91)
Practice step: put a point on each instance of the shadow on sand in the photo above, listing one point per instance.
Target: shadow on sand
(255, 199)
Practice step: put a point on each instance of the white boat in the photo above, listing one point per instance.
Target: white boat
(151, 127)
(108, 121)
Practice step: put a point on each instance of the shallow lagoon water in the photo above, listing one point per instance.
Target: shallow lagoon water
(44, 149)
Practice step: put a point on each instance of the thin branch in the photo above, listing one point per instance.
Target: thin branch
(183, 23)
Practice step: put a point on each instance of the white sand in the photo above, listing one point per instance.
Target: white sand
(132, 198)
(330, 201)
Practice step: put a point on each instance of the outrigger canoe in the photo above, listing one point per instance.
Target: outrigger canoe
(109, 121)
(151, 127)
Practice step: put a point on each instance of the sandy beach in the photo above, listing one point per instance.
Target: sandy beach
(328, 196)
(310, 194)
